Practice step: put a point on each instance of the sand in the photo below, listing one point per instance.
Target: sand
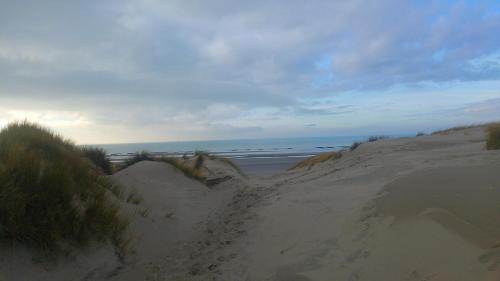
(259, 166)
(423, 208)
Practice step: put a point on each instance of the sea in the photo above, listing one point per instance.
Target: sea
(240, 148)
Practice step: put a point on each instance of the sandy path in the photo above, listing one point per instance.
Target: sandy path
(323, 223)
(423, 208)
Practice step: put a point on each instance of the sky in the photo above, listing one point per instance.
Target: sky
(100, 71)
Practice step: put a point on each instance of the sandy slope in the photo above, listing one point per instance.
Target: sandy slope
(164, 231)
(423, 208)
(343, 220)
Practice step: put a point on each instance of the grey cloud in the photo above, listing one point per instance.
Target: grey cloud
(162, 59)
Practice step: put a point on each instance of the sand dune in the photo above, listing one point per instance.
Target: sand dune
(423, 208)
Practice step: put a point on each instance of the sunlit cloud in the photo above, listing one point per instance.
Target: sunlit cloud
(55, 119)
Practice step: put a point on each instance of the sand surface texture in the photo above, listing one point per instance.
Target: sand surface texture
(425, 208)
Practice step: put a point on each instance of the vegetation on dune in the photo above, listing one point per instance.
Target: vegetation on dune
(355, 145)
(231, 163)
(50, 195)
(138, 157)
(198, 162)
(420, 134)
(192, 167)
(493, 136)
(188, 169)
(311, 161)
(453, 129)
(187, 166)
(99, 157)
(225, 160)
(376, 138)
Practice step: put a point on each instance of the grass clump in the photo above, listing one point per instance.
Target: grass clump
(99, 157)
(355, 145)
(376, 138)
(138, 157)
(311, 161)
(493, 136)
(454, 129)
(51, 196)
(231, 163)
(225, 160)
(190, 170)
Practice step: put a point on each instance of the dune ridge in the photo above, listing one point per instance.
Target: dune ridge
(423, 208)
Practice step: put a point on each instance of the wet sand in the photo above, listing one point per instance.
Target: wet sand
(266, 166)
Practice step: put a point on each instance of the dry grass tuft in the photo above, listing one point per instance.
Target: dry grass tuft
(190, 170)
(311, 161)
(454, 129)
(225, 160)
(231, 163)
(493, 137)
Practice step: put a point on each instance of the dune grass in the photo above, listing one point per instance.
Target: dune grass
(355, 145)
(311, 161)
(376, 138)
(231, 163)
(186, 165)
(454, 129)
(188, 169)
(225, 160)
(193, 167)
(50, 196)
(138, 157)
(99, 157)
(493, 136)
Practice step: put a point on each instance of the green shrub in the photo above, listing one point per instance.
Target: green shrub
(99, 157)
(50, 195)
(493, 137)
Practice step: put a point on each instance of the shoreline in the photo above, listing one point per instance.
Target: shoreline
(250, 164)
(432, 199)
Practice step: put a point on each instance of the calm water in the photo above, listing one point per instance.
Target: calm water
(241, 148)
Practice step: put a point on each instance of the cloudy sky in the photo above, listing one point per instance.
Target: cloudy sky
(131, 71)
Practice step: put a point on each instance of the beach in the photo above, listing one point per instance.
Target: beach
(250, 140)
(268, 165)
(414, 208)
